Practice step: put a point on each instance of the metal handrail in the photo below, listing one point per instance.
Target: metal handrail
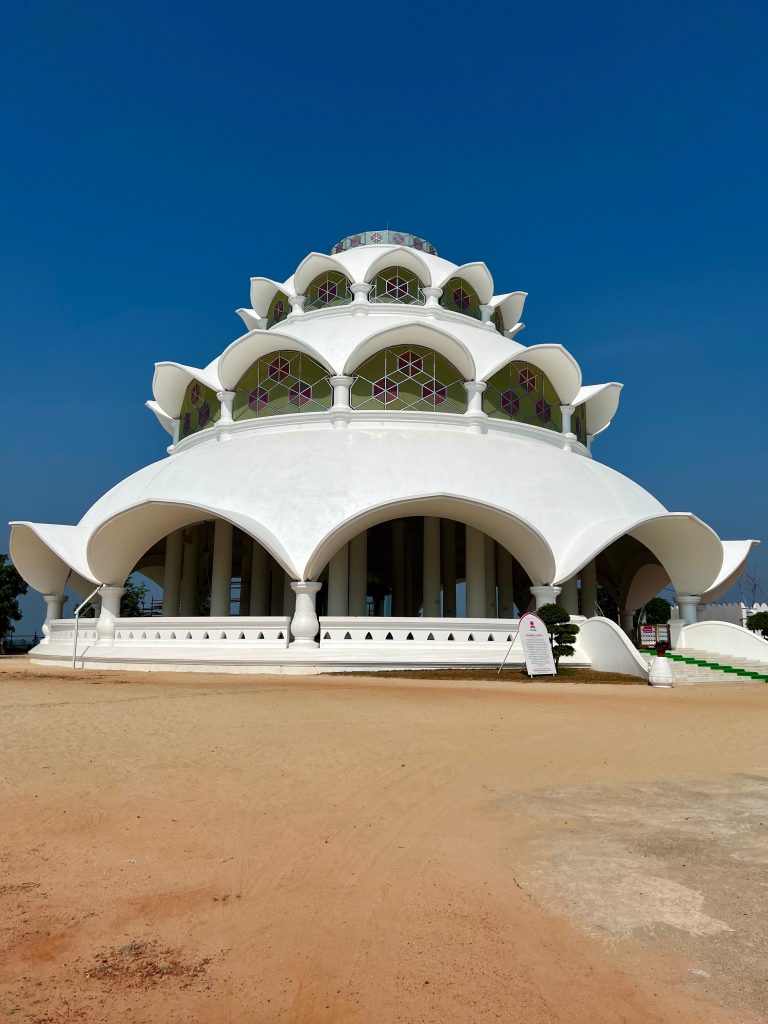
(77, 621)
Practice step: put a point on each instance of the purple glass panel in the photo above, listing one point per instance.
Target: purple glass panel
(434, 392)
(278, 311)
(410, 364)
(204, 414)
(461, 298)
(385, 390)
(258, 399)
(510, 403)
(186, 423)
(544, 411)
(279, 368)
(328, 291)
(195, 393)
(397, 238)
(300, 393)
(527, 379)
(397, 287)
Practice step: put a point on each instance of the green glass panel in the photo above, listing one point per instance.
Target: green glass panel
(396, 284)
(282, 382)
(279, 309)
(522, 392)
(199, 410)
(409, 377)
(460, 296)
(328, 289)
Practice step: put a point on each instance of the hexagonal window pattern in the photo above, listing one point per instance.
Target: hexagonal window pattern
(300, 393)
(329, 289)
(278, 310)
(284, 382)
(258, 398)
(510, 403)
(195, 393)
(408, 378)
(385, 390)
(396, 284)
(434, 392)
(460, 296)
(199, 409)
(522, 392)
(410, 364)
(204, 414)
(278, 369)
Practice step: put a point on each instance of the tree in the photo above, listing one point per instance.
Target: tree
(657, 611)
(132, 601)
(12, 587)
(758, 623)
(562, 632)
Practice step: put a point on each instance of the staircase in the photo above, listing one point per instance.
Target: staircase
(690, 666)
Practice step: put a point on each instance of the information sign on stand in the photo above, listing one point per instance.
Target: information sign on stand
(537, 649)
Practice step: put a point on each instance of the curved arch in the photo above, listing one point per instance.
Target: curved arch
(313, 265)
(689, 550)
(263, 290)
(602, 401)
(522, 391)
(510, 306)
(515, 534)
(44, 554)
(400, 256)
(735, 555)
(170, 382)
(556, 362)
(426, 335)
(409, 377)
(477, 275)
(328, 288)
(238, 357)
(118, 543)
(283, 381)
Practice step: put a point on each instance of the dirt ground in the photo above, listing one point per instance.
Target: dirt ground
(202, 850)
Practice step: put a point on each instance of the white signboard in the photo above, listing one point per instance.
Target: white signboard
(537, 649)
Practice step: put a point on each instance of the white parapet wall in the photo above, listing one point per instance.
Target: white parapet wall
(604, 645)
(724, 638)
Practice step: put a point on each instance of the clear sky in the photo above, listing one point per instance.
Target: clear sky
(609, 159)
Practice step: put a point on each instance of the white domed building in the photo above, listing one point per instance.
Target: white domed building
(377, 473)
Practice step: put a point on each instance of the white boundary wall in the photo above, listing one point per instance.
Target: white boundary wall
(724, 638)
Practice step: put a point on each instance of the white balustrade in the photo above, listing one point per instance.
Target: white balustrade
(264, 632)
(381, 629)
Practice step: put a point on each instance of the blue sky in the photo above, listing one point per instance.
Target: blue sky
(610, 159)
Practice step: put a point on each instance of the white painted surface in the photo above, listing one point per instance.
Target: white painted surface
(608, 649)
(724, 638)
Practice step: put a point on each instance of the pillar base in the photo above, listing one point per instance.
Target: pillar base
(304, 624)
(545, 595)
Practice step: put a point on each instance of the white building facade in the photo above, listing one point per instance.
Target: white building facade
(377, 473)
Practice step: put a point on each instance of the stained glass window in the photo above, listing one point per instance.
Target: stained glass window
(396, 284)
(498, 320)
(406, 377)
(328, 289)
(460, 296)
(200, 408)
(522, 392)
(279, 309)
(280, 383)
(579, 423)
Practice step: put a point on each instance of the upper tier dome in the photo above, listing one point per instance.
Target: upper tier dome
(385, 237)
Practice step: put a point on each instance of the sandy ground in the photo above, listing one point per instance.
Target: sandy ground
(222, 849)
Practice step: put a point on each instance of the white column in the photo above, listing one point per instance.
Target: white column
(475, 557)
(432, 296)
(589, 589)
(688, 607)
(505, 570)
(569, 438)
(297, 303)
(174, 550)
(54, 609)
(259, 580)
(627, 621)
(475, 414)
(341, 385)
(188, 598)
(221, 573)
(569, 596)
(431, 596)
(358, 573)
(486, 312)
(304, 624)
(110, 610)
(338, 583)
(227, 399)
(449, 568)
(398, 567)
(490, 577)
(545, 595)
(360, 290)
(176, 430)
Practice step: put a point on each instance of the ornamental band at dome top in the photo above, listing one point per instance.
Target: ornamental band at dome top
(377, 473)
